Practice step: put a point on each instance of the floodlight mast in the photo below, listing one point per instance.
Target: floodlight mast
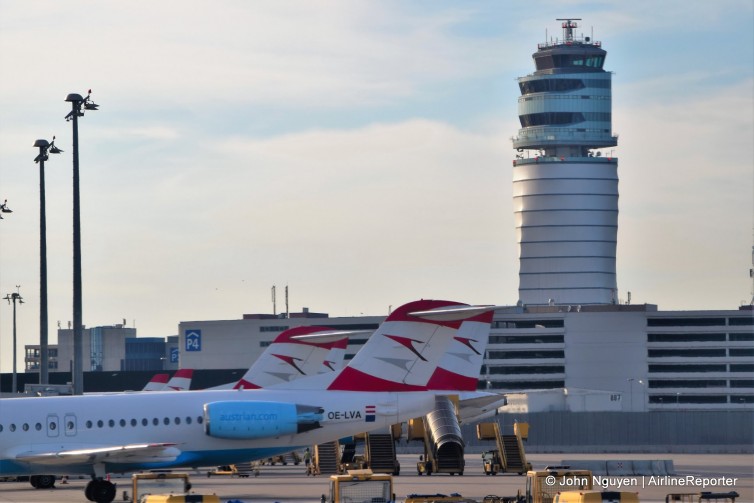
(45, 148)
(14, 298)
(77, 101)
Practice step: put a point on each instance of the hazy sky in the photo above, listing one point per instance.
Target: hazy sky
(356, 151)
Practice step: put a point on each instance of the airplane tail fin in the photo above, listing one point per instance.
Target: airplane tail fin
(157, 382)
(406, 350)
(295, 353)
(462, 363)
(181, 380)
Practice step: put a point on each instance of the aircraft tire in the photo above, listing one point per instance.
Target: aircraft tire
(42, 481)
(100, 491)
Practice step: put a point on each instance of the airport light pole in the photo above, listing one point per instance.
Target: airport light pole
(4, 209)
(77, 102)
(14, 297)
(45, 148)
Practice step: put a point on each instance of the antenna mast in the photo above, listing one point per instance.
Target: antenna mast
(274, 302)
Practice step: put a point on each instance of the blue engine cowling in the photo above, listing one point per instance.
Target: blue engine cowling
(249, 420)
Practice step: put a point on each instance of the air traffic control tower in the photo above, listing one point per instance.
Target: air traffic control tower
(565, 180)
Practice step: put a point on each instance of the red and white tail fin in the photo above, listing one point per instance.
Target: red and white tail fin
(291, 357)
(406, 350)
(157, 382)
(335, 358)
(461, 365)
(181, 380)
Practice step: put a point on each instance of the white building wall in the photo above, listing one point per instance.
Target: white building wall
(603, 351)
(228, 344)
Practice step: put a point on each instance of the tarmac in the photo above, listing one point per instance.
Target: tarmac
(694, 473)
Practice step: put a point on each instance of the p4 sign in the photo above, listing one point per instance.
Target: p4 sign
(193, 340)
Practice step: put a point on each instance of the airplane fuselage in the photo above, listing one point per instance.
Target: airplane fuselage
(38, 428)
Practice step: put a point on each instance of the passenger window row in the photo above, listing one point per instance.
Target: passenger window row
(100, 423)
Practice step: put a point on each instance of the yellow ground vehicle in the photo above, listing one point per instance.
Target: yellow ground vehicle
(143, 484)
(542, 486)
(361, 486)
(491, 462)
(510, 456)
(596, 497)
(704, 497)
(180, 498)
(242, 470)
(438, 498)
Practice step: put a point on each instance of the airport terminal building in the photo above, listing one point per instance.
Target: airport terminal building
(628, 357)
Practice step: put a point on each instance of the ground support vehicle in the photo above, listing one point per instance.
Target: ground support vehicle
(704, 497)
(242, 470)
(163, 483)
(491, 462)
(440, 432)
(596, 497)
(180, 498)
(438, 498)
(543, 486)
(509, 457)
(360, 486)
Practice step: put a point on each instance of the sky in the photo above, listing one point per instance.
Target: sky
(358, 152)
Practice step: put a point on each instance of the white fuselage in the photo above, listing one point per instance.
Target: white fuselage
(49, 425)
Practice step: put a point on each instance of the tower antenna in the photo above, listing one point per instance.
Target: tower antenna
(568, 27)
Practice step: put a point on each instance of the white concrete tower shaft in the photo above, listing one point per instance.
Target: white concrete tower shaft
(565, 189)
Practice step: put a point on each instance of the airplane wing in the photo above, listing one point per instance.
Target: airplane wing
(133, 453)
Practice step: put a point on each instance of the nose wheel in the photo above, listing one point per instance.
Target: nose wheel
(100, 491)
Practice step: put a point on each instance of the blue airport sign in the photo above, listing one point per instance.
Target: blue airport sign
(174, 355)
(193, 340)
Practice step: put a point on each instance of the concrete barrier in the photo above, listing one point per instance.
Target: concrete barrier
(658, 466)
(597, 467)
(620, 467)
(644, 467)
(669, 467)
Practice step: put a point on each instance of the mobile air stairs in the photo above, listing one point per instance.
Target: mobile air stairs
(509, 457)
(379, 453)
(440, 432)
(326, 459)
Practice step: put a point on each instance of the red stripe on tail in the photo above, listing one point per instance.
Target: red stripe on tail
(446, 380)
(354, 380)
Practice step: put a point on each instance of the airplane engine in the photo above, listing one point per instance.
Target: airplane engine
(249, 420)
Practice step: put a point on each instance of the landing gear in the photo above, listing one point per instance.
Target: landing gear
(42, 481)
(100, 491)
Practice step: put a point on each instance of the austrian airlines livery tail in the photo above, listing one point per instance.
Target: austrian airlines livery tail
(287, 358)
(392, 379)
(423, 345)
(181, 380)
(157, 383)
